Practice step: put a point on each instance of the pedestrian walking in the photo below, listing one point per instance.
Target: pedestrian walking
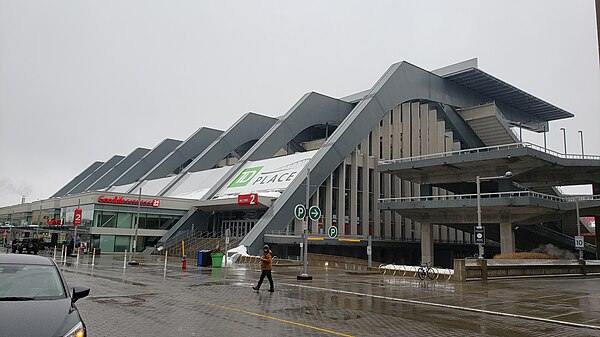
(266, 266)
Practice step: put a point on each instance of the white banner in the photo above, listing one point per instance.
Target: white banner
(269, 175)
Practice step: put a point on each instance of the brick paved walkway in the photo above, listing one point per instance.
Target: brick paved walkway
(143, 301)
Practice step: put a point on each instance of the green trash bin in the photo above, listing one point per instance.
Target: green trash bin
(217, 259)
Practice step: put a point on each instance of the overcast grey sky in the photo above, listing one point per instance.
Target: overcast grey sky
(81, 81)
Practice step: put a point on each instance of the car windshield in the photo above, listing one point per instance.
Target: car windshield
(30, 282)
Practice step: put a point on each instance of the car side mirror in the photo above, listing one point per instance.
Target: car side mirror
(79, 292)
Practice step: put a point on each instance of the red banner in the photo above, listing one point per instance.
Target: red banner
(247, 199)
(54, 222)
(125, 201)
(77, 217)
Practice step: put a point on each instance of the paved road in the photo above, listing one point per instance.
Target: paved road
(145, 301)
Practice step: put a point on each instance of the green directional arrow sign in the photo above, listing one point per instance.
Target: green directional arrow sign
(314, 212)
(300, 212)
(332, 232)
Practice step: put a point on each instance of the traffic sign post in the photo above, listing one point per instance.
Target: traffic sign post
(579, 242)
(300, 212)
(332, 232)
(479, 233)
(370, 252)
(314, 212)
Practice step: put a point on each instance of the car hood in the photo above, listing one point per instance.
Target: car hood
(37, 318)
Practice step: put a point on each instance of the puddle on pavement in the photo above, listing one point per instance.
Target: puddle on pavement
(123, 300)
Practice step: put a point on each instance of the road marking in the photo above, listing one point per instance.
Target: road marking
(448, 306)
(277, 319)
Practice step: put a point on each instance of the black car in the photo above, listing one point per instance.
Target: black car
(34, 299)
(26, 245)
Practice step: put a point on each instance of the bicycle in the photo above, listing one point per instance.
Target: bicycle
(426, 271)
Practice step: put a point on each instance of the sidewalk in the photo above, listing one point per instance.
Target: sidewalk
(146, 300)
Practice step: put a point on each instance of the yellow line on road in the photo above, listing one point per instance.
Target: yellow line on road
(349, 240)
(278, 319)
(315, 239)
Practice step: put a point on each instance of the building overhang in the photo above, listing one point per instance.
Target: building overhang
(516, 207)
(530, 165)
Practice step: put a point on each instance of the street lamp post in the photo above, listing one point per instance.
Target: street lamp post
(578, 225)
(581, 137)
(564, 139)
(478, 181)
(304, 276)
(133, 262)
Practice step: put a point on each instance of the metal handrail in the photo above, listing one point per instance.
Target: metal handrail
(488, 149)
(496, 195)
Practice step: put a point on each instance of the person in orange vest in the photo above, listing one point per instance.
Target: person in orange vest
(266, 266)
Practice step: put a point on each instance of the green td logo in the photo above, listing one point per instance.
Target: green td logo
(245, 177)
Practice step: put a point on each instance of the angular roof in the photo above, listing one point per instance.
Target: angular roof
(486, 84)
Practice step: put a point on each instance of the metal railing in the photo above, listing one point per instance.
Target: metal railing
(393, 269)
(489, 149)
(496, 195)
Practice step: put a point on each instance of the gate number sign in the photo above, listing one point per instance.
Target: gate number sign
(579, 243)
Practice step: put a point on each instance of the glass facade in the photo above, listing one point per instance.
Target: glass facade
(126, 220)
(87, 215)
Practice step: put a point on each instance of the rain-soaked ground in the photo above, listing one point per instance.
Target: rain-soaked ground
(147, 301)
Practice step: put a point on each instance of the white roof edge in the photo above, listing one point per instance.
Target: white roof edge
(457, 67)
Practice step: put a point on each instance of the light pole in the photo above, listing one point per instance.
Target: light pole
(304, 276)
(478, 181)
(133, 262)
(564, 139)
(578, 227)
(581, 137)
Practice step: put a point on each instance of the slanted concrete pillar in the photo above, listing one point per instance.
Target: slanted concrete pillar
(426, 241)
(507, 237)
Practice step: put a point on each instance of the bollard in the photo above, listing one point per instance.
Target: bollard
(184, 262)
(125, 259)
(54, 255)
(93, 257)
(166, 252)
(62, 252)
(64, 257)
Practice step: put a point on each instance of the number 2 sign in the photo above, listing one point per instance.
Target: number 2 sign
(247, 199)
(77, 217)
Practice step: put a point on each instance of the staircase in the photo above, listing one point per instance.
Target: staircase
(194, 242)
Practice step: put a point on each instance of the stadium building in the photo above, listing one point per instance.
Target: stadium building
(398, 162)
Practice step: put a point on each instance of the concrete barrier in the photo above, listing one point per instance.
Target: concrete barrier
(481, 269)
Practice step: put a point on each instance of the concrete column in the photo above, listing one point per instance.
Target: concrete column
(426, 241)
(353, 192)
(405, 152)
(328, 203)
(341, 203)
(387, 181)
(415, 113)
(377, 184)
(364, 219)
(397, 153)
(507, 238)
